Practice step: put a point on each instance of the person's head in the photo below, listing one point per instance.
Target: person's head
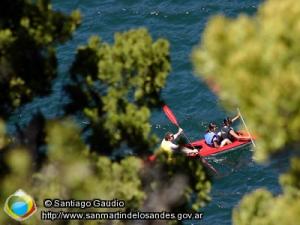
(227, 121)
(169, 136)
(212, 126)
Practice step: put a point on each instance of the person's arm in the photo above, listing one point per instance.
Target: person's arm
(174, 147)
(238, 137)
(178, 133)
(188, 151)
(216, 145)
(215, 142)
(235, 118)
(234, 134)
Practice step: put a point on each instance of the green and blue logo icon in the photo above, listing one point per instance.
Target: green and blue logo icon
(20, 206)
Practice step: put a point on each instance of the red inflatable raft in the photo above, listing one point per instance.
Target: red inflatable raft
(206, 150)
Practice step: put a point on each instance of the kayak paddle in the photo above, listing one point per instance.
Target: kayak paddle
(170, 115)
(168, 112)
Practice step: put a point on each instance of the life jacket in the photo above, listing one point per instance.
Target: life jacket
(209, 136)
(166, 145)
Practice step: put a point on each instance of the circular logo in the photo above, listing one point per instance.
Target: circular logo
(20, 206)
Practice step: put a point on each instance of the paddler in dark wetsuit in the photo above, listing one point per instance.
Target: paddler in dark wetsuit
(228, 132)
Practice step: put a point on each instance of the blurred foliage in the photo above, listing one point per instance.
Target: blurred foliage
(4, 141)
(3, 137)
(195, 193)
(29, 33)
(254, 63)
(71, 172)
(260, 208)
(255, 209)
(290, 181)
(115, 86)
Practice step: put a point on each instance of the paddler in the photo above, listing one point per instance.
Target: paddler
(212, 139)
(228, 132)
(167, 144)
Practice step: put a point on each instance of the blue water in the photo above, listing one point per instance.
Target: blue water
(182, 23)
